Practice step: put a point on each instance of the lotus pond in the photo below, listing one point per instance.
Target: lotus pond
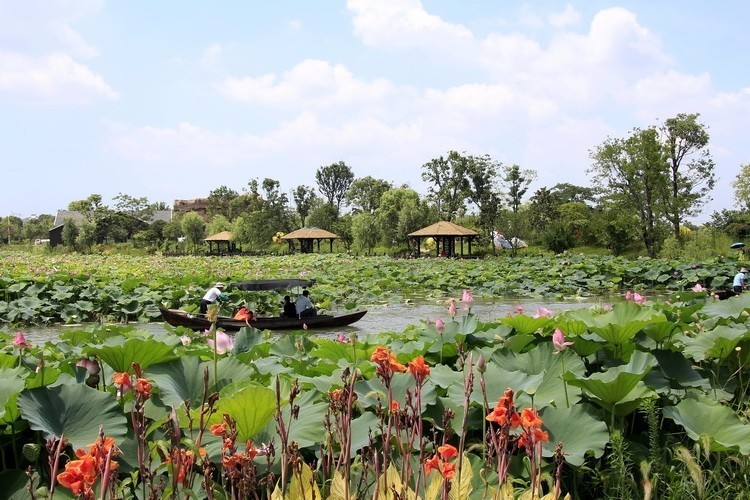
(642, 398)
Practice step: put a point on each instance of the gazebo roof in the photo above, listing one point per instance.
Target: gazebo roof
(309, 233)
(444, 228)
(222, 236)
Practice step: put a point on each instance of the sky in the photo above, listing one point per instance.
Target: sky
(173, 99)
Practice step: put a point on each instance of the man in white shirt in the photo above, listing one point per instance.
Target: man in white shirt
(304, 306)
(212, 295)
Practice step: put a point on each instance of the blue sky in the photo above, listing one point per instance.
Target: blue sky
(172, 99)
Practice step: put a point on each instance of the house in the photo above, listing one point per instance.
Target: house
(55, 234)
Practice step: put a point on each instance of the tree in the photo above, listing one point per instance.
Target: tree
(632, 171)
(449, 185)
(37, 227)
(219, 201)
(69, 233)
(365, 230)
(741, 185)
(137, 207)
(193, 229)
(515, 183)
(565, 192)
(691, 168)
(323, 217)
(482, 174)
(365, 193)
(304, 200)
(87, 206)
(389, 213)
(334, 181)
(217, 224)
(12, 227)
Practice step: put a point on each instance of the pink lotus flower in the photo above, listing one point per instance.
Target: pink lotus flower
(467, 299)
(19, 341)
(698, 288)
(543, 312)
(439, 325)
(635, 297)
(342, 338)
(518, 309)
(92, 367)
(224, 342)
(452, 309)
(558, 340)
(607, 307)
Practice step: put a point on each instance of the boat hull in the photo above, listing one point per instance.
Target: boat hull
(175, 317)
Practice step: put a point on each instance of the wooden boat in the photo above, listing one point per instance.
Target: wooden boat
(176, 317)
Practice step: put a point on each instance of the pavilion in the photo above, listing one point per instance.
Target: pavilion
(445, 234)
(222, 240)
(308, 237)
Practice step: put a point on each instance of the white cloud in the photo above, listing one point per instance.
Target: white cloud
(311, 84)
(52, 79)
(567, 17)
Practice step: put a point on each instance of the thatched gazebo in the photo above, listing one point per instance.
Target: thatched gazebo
(307, 236)
(445, 233)
(222, 239)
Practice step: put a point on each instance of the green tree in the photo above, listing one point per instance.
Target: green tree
(242, 233)
(219, 201)
(741, 186)
(482, 174)
(172, 230)
(632, 171)
(515, 183)
(193, 228)
(137, 207)
(69, 233)
(334, 181)
(87, 206)
(365, 193)
(323, 217)
(86, 238)
(449, 186)
(691, 168)
(37, 227)
(217, 224)
(365, 230)
(388, 214)
(304, 201)
(12, 228)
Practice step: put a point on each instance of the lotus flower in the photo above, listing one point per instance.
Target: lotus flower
(467, 299)
(439, 325)
(543, 312)
(518, 309)
(19, 341)
(92, 367)
(224, 342)
(342, 338)
(558, 340)
(698, 288)
(452, 309)
(185, 340)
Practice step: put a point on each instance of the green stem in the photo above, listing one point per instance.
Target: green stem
(216, 362)
(565, 383)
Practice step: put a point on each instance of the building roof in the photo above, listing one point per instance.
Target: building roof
(309, 233)
(62, 215)
(222, 236)
(444, 228)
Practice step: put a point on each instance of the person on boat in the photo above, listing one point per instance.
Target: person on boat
(244, 314)
(304, 306)
(290, 311)
(739, 281)
(212, 295)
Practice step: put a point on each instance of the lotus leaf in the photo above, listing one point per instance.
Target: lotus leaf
(73, 411)
(11, 384)
(525, 325)
(250, 405)
(579, 432)
(718, 343)
(704, 418)
(145, 352)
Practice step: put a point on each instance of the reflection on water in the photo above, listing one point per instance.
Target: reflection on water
(393, 317)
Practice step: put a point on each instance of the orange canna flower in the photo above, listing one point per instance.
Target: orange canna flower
(143, 387)
(218, 429)
(418, 368)
(380, 355)
(387, 361)
(448, 452)
(530, 418)
(79, 475)
(122, 381)
(448, 470)
(394, 406)
(336, 394)
(433, 463)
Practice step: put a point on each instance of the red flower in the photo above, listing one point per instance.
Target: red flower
(448, 452)
(219, 429)
(143, 387)
(433, 463)
(394, 406)
(387, 361)
(530, 418)
(122, 381)
(505, 412)
(418, 368)
(448, 470)
(79, 475)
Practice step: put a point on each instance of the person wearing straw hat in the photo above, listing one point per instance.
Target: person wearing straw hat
(739, 281)
(212, 295)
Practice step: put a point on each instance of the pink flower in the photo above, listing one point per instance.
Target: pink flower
(639, 299)
(92, 367)
(452, 309)
(19, 341)
(518, 309)
(628, 295)
(607, 307)
(543, 312)
(558, 340)
(698, 288)
(467, 299)
(439, 325)
(224, 342)
(342, 338)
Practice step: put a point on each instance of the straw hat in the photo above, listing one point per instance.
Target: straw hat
(743, 270)
(219, 285)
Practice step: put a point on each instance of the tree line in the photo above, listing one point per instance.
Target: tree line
(645, 186)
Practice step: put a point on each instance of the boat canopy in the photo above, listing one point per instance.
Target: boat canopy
(262, 285)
